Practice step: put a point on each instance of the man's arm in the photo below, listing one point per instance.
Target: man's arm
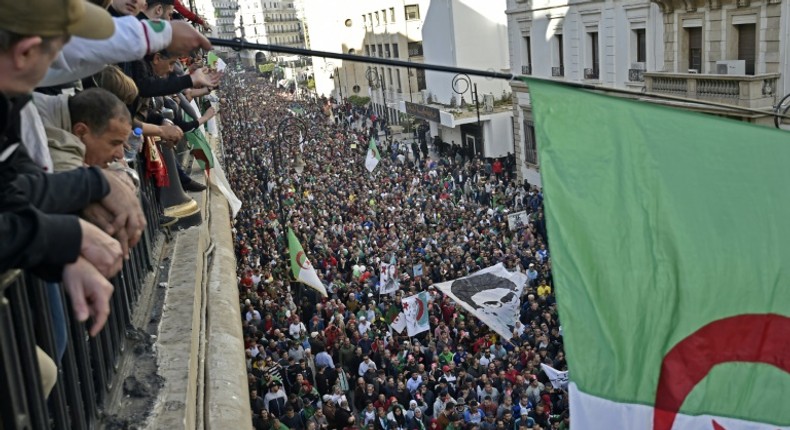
(132, 40)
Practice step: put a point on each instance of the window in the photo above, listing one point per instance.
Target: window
(392, 14)
(415, 49)
(641, 45)
(397, 78)
(421, 80)
(747, 45)
(395, 53)
(526, 68)
(367, 50)
(559, 69)
(378, 21)
(387, 52)
(381, 51)
(384, 15)
(694, 38)
(592, 71)
(389, 74)
(530, 146)
(412, 12)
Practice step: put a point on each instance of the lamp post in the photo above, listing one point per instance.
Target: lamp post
(376, 81)
(291, 129)
(461, 84)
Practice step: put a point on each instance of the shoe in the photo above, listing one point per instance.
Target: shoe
(194, 186)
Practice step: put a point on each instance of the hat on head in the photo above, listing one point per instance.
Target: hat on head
(445, 368)
(314, 334)
(50, 18)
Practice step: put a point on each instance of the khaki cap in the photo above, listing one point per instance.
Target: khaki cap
(51, 18)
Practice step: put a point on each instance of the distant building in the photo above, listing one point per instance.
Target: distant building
(725, 51)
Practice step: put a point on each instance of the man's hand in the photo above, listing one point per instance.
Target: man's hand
(128, 218)
(89, 291)
(100, 250)
(203, 78)
(186, 39)
(171, 133)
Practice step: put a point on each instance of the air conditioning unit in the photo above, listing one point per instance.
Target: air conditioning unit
(731, 67)
(488, 102)
(638, 66)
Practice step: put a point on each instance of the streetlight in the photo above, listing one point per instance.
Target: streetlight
(461, 84)
(291, 129)
(374, 80)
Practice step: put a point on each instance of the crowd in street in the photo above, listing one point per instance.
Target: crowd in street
(334, 362)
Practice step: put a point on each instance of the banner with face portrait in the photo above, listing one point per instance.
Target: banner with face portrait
(492, 295)
(388, 280)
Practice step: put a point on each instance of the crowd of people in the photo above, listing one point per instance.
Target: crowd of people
(334, 362)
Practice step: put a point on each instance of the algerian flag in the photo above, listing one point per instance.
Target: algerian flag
(399, 323)
(302, 269)
(373, 157)
(670, 252)
(214, 60)
(415, 309)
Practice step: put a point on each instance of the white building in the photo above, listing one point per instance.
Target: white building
(723, 51)
(274, 22)
(221, 16)
(468, 34)
(377, 28)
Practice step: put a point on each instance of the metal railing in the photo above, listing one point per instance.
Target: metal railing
(558, 71)
(526, 70)
(591, 73)
(87, 369)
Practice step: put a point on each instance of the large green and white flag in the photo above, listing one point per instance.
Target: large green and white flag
(373, 157)
(670, 243)
(302, 269)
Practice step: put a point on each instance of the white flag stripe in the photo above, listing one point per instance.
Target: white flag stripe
(415, 310)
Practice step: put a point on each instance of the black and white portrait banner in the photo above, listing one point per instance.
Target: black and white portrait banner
(493, 295)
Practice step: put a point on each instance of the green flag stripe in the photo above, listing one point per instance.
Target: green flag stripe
(662, 221)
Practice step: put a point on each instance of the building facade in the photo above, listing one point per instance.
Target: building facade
(727, 52)
(376, 28)
(473, 113)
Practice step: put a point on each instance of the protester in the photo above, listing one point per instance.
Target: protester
(437, 219)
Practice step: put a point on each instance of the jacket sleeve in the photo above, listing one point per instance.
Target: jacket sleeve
(58, 193)
(132, 40)
(154, 86)
(38, 241)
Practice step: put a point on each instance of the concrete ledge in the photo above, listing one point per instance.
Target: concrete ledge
(178, 345)
(227, 399)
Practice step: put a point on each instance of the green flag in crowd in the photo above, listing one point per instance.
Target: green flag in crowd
(303, 271)
(670, 242)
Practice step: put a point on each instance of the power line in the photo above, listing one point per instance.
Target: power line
(239, 44)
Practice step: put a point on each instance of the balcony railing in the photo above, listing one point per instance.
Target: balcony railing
(558, 71)
(636, 75)
(755, 91)
(526, 70)
(87, 370)
(591, 73)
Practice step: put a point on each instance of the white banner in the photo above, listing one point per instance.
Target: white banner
(559, 379)
(399, 323)
(517, 220)
(388, 280)
(493, 295)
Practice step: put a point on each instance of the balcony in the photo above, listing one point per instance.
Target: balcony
(591, 74)
(526, 70)
(558, 71)
(756, 91)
